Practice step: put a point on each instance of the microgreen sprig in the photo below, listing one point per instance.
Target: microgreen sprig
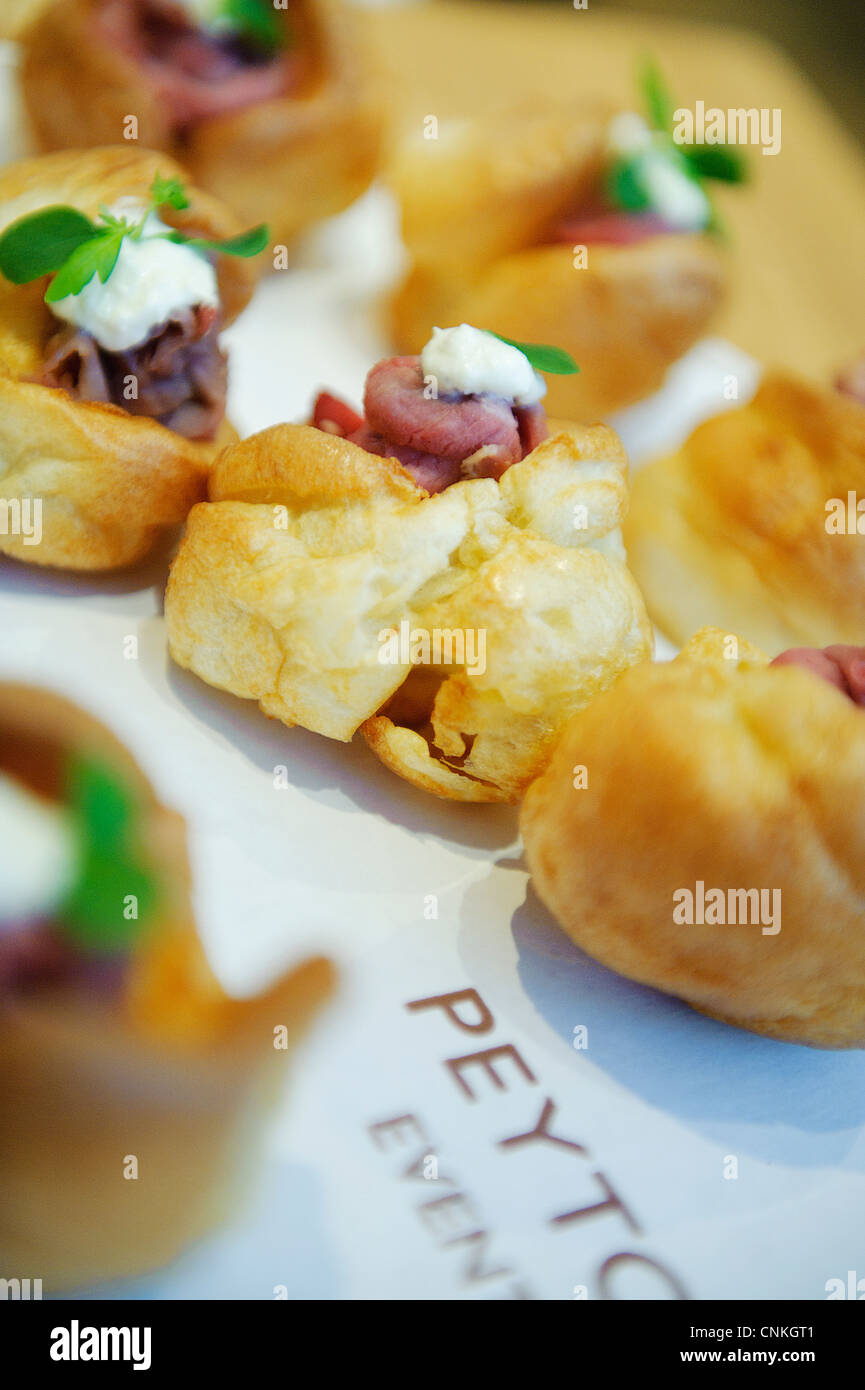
(64, 242)
(106, 817)
(257, 22)
(543, 357)
(720, 161)
(626, 177)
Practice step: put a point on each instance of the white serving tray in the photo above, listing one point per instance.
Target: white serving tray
(345, 860)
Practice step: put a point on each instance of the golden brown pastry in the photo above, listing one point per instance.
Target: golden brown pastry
(285, 133)
(118, 1047)
(346, 581)
(749, 525)
(108, 482)
(713, 846)
(492, 213)
(17, 14)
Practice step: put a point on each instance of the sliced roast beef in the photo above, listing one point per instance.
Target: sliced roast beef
(851, 381)
(450, 426)
(196, 74)
(179, 376)
(609, 228)
(429, 471)
(532, 425)
(840, 665)
(438, 440)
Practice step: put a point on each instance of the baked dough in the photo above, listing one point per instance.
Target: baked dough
(110, 483)
(311, 549)
(172, 1073)
(287, 162)
(476, 202)
(732, 528)
(715, 769)
(17, 14)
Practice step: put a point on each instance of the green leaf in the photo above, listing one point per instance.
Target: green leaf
(721, 162)
(256, 21)
(40, 243)
(168, 193)
(92, 915)
(250, 243)
(656, 95)
(625, 186)
(105, 814)
(543, 357)
(99, 801)
(95, 257)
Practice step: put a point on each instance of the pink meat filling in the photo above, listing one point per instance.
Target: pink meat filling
(842, 666)
(609, 228)
(437, 440)
(195, 74)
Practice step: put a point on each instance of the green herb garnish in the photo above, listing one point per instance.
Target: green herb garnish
(96, 256)
(23, 258)
(708, 161)
(543, 358)
(721, 162)
(105, 816)
(257, 22)
(62, 241)
(627, 177)
(168, 193)
(247, 244)
(656, 95)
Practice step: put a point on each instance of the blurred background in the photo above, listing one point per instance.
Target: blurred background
(826, 38)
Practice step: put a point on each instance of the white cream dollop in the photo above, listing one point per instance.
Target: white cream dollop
(628, 135)
(476, 363)
(672, 194)
(153, 280)
(206, 14)
(37, 853)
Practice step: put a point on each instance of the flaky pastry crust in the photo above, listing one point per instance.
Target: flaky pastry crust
(311, 550)
(17, 14)
(715, 768)
(109, 483)
(476, 203)
(169, 1073)
(287, 162)
(733, 528)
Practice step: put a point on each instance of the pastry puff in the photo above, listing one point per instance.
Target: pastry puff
(172, 1072)
(476, 205)
(286, 162)
(17, 14)
(715, 770)
(311, 551)
(109, 483)
(734, 528)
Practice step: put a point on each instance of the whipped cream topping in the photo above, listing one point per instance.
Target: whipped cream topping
(37, 853)
(672, 193)
(153, 280)
(474, 363)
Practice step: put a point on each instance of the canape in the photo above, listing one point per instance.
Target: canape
(580, 225)
(116, 278)
(131, 1084)
(443, 573)
(712, 846)
(272, 108)
(757, 521)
